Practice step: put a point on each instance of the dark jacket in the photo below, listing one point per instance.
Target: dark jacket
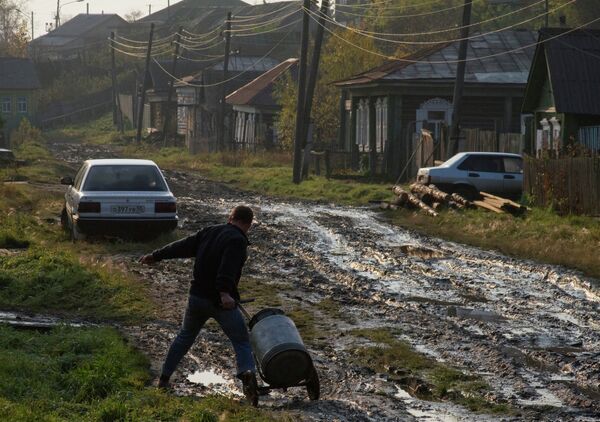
(220, 253)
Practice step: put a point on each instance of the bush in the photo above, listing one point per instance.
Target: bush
(26, 133)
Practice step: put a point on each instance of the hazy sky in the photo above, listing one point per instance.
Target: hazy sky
(44, 10)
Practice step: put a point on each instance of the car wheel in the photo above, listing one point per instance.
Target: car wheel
(64, 219)
(75, 233)
(467, 192)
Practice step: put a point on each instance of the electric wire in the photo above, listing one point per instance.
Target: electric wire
(226, 80)
(208, 47)
(279, 28)
(414, 34)
(135, 47)
(474, 36)
(188, 41)
(236, 18)
(406, 60)
(140, 55)
(375, 3)
(413, 15)
(145, 42)
(189, 59)
(193, 35)
(262, 24)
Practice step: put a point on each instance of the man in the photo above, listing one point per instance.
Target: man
(220, 253)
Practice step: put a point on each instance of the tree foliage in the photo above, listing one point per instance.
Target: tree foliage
(339, 60)
(14, 34)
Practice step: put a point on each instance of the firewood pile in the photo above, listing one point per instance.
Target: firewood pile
(430, 200)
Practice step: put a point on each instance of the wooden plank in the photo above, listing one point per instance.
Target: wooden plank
(486, 206)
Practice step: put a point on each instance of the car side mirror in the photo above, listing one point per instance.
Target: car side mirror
(67, 180)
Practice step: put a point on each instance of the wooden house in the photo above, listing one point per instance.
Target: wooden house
(199, 99)
(255, 109)
(19, 85)
(563, 91)
(384, 108)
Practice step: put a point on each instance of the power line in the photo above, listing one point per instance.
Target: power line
(240, 18)
(208, 47)
(168, 37)
(204, 42)
(201, 60)
(414, 15)
(479, 35)
(414, 34)
(227, 80)
(193, 35)
(405, 60)
(262, 24)
(375, 3)
(279, 28)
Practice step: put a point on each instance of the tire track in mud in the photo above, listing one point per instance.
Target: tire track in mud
(529, 330)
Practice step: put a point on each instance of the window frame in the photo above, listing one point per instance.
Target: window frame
(22, 101)
(3, 102)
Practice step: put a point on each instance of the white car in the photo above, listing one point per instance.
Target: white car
(118, 197)
(469, 173)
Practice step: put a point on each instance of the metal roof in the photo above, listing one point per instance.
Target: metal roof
(260, 90)
(436, 63)
(574, 68)
(17, 73)
(77, 28)
(243, 64)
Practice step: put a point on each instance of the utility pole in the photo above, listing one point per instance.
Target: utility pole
(171, 86)
(114, 76)
(547, 15)
(297, 175)
(32, 35)
(56, 18)
(460, 77)
(149, 9)
(312, 82)
(117, 113)
(221, 121)
(140, 115)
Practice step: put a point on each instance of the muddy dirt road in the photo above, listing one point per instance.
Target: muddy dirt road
(530, 331)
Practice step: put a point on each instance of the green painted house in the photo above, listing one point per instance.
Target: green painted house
(562, 98)
(19, 85)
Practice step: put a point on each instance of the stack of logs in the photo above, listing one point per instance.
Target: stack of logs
(430, 200)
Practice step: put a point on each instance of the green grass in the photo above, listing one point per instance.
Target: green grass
(422, 376)
(56, 282)
(98, 132)
(93, 375)
(541, 235)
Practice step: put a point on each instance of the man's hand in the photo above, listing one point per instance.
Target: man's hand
(147, 259)
(227, 302)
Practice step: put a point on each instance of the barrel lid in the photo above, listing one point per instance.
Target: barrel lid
(267, 312)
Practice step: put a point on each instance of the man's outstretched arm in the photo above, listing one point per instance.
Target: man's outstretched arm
(183, 248)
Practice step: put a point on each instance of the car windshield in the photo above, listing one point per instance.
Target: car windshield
(124, 178)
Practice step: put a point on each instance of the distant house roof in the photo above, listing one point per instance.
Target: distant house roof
(571, 59)
(499, 58)
(16, 73)
(77, 28)
(259, 92)
(247, 64)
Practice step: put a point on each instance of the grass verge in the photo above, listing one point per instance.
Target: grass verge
(541, 235)
(421, 376)
(93, 375)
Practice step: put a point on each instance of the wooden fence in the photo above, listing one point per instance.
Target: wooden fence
(490, 141)
(569, 185)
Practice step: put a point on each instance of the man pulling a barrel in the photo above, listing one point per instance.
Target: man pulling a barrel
(220, 252)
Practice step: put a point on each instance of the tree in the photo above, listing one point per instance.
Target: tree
(339, 60)
(14, 34)
(133, 16)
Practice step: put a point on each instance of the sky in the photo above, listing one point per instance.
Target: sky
(44, 10)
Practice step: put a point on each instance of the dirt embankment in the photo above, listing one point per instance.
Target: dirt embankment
(527, 331)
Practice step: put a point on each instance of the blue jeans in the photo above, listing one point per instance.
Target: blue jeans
(198, 311)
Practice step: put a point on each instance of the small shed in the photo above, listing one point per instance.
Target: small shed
(563, 91)
(199, 98)
(19, 85)
(255, 109)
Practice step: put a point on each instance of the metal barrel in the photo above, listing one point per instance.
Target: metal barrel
(278, 348)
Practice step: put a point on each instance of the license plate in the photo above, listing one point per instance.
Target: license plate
(127, 209)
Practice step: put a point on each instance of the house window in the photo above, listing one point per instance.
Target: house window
(362, 125)
(381, 123)
(6, 104)
(22, 105)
